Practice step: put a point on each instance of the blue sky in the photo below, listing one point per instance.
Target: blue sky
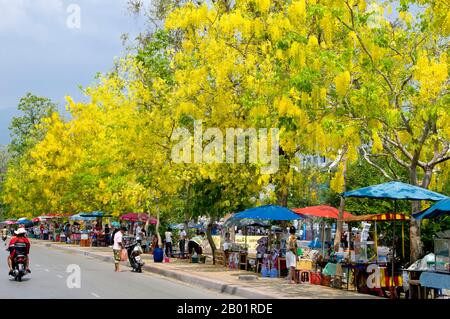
(39, 53)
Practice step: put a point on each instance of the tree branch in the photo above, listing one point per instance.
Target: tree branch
(368, 160)
(395, 156)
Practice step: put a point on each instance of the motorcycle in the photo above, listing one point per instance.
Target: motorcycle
(135, 251)
(19, 261)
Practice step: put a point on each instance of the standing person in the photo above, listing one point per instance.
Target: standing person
(291, 255)
(107, 234)
(138, 234)
(182, 243)
(36, 232)
(118, 246)
(168, 235)
(4, 234)
(41, 229)
(154, 242)
(144, 240)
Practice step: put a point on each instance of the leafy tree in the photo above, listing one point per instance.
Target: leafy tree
(24, 131)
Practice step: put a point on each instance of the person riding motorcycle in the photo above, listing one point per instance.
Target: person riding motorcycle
(18, 238)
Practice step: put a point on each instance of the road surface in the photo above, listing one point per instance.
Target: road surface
(49, 280)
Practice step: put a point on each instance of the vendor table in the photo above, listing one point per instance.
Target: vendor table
(358, 272)
(433, 281)
(75, 238)
(281, 261)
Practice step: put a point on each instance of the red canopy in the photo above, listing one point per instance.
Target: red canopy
(137, 217)
(322, 211)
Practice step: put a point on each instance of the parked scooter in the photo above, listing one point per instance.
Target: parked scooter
(19, 261)
(135, 251)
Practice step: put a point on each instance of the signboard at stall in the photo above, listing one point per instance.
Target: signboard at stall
(252, 241)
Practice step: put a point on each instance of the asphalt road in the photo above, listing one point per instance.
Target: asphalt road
(50, 279)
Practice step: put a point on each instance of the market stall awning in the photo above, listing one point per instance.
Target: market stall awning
(24, 221)
(9, 222)
(54, 216)
(322, 211)
(395, 190)
(231, 222)
(269, 212)
(78, 217)
(376, 217)
(439, 209)
(138, 217)
(95, 214)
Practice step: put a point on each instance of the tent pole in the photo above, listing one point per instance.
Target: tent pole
(403, 241)
(393, 250)
(376, 242)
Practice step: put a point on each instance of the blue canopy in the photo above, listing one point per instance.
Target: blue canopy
(115, 224)
(395, 190)
(94, 214)
(24, 221)
(245, 222)
(269, 212)
(81, 218)
(439, 209)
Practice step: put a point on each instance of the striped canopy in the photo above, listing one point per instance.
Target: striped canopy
(377, 217)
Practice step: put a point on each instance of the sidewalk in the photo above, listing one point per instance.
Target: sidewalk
(219, 278)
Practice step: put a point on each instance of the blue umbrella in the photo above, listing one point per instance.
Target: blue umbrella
(244, 222)
(24, 221)
(115, 224)
(395, 190)
(94, 214)
(269, 212)
(439, 209)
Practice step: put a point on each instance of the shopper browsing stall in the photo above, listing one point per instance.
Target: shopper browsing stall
(195, 244)
(291, 255)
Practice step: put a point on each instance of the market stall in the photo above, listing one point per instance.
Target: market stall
(361, 264)
(437, 277)
(321, 213)
(97, 235)
(394, 191)
(270, 248)
(80, 230)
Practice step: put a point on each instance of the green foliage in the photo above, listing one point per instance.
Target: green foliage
(25, 130)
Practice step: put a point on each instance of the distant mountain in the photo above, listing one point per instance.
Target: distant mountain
(6, 114)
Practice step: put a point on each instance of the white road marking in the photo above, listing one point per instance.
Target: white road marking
(47, 270)
(59, 276)
(37, 265)
(95, 295)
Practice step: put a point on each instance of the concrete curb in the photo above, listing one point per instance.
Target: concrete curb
(234, 290)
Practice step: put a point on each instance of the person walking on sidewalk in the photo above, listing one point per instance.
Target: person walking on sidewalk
(118, 246)
(291, 255)
(168, 234)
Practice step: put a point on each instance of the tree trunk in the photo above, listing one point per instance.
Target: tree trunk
(157, 229)
(416, 247)
(337, 236)
(210, 239)
(283, 199)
